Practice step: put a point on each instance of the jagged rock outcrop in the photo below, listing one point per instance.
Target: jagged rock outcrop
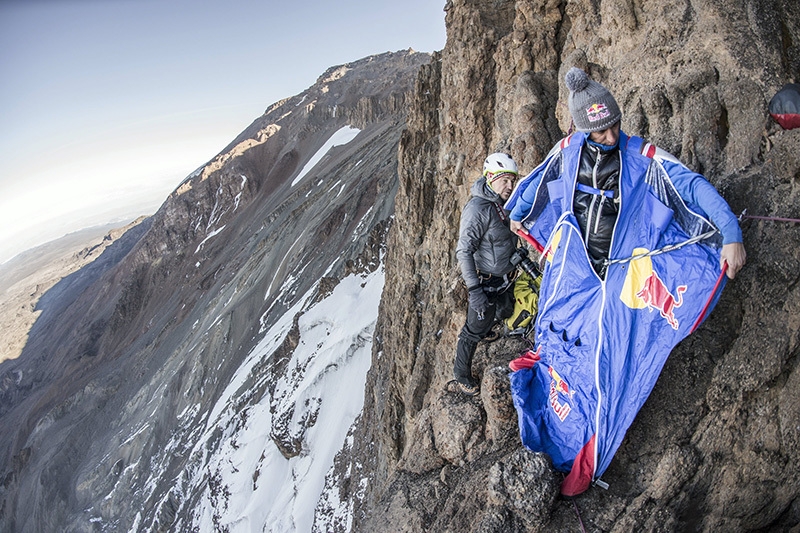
(717, 445)
(105, 409)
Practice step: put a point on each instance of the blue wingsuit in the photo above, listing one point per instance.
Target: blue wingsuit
(601, 343)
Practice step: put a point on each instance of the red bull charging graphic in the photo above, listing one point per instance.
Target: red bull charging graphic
(643, 288)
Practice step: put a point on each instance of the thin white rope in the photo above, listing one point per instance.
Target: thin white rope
(670, 248)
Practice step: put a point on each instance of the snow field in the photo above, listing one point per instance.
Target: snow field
(258, 488)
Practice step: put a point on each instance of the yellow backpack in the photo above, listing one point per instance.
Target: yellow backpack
(526, 304)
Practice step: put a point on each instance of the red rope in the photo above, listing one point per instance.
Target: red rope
(577, 512)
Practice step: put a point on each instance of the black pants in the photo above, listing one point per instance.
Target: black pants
(501, 305)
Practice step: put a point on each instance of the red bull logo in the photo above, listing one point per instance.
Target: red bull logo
(643, 288)
(657, 296)
(597, 112)
(558, 386)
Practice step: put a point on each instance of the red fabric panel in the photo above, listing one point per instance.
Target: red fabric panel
(788, 121)
(526, 360)
(580, 477)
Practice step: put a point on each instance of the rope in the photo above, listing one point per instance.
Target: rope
(696, 239)
(577, 512)
(773, 219)
(670, 248)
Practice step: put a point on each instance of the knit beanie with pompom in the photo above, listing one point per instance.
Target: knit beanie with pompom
(591, 105)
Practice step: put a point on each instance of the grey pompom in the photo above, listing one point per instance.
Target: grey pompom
(576, 80)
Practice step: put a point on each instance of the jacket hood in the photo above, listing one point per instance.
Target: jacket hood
(481, 189)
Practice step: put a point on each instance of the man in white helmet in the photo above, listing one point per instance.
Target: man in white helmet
(484, 251)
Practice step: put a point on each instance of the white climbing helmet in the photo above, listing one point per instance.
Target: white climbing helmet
(500, 163)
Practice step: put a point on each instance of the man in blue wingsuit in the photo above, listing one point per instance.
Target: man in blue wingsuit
(634, 245)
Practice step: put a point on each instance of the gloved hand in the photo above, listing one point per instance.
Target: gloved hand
(478, 301)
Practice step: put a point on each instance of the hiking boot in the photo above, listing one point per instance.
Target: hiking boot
(469, 390)
(492, 336)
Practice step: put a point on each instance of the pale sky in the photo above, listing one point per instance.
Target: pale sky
(107, 105)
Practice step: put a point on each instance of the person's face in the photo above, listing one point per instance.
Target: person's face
(503, 185)
(608, 136)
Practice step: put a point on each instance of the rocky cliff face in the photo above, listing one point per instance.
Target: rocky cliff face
(717, 445)
(164, 334)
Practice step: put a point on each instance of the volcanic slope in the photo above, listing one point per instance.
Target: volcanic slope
(133, 403)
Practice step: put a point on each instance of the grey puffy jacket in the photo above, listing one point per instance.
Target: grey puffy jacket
(485, 242)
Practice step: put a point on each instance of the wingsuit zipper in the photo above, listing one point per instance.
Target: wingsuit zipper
(600, 322)
(588, 229)
(592, 211)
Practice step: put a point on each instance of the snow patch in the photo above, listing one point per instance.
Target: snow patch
(239, 196)
(362, 225)
(342, 136)
(212, 234)
(280, 265)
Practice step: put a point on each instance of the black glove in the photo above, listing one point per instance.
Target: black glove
(478, 301)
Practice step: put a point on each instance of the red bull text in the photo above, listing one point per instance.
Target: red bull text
(597, 112)
(558, 386)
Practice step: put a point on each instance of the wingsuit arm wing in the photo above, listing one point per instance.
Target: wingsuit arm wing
(520, 203)
(695, 189)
